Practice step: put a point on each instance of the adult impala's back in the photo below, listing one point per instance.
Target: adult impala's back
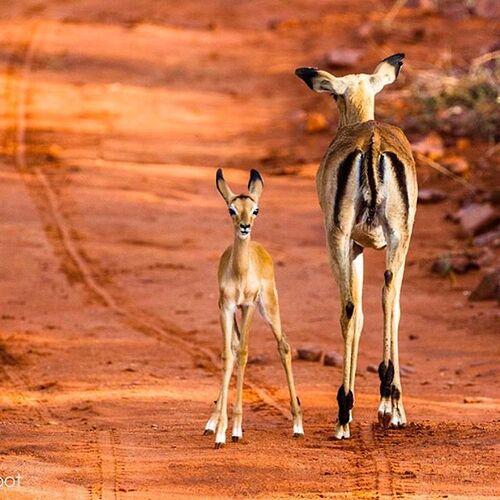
(367, 190)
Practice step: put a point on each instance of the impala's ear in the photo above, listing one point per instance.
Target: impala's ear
(222, 186)
(386, 72)
(321, 81)
(255, 184)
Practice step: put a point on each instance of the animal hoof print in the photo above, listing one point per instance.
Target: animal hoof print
(218, 445)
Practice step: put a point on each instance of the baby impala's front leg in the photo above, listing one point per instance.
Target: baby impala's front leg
(218, 421)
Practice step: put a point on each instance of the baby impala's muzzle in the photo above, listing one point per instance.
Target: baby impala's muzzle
(244, 228)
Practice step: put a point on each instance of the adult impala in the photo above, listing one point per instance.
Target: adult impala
(367, 190)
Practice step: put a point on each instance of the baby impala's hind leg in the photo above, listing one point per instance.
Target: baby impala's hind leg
(242, 357)
(269, 308)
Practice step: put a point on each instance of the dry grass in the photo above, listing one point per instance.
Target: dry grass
(458, 103)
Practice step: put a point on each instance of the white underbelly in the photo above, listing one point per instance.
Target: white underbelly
(369, 237)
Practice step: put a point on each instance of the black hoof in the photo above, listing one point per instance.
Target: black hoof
(235, 439)
(207, 432)
(218, 445)
(298, 435)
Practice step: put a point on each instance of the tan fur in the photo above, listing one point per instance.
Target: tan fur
(246, 281)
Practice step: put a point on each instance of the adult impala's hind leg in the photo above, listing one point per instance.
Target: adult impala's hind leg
(218, 421)
(269, 307)
(357, 288)
(242, 357)
(391, 410)
(349, 280)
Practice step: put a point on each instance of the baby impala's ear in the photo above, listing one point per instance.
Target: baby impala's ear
(321, 81)
(255, 184)
(386, 72)
(222, 186)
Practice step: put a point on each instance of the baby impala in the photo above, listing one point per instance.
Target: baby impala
(246, 281)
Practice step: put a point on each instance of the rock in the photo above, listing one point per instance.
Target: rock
(488, 288)
(477, 399)
(489, 9)
(457, 164)
(309, 353)
(431, 146)
(455, 11)
(428, 196)
(283, 24)
(459, 264)
(412, 336)
(476, 218)
(343, 58)
(491, 238)
(258, 359)
(427, 6)
(486, 258)
(372, 368)
(406, 370)
(494, 197)
(332, 358)
(316, 122)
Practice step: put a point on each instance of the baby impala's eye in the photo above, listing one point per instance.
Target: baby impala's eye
(232, 212)
(256, 211)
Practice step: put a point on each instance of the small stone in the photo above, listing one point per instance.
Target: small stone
(491, 238)
(406, 370)
(309, 353)
(316, 122)
(486, 259)
(332, 358)
(283, 24)
(258, 359)
(427, 6)
(488, 288)
(343, 58)
(489, 9)
(476, 218)
(494, 197)
(412, 336)
(428, 196)
(372, 368)
(455, 11)
(477, 399)
(431, 146)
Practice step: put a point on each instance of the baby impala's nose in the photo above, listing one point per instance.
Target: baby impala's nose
(244, 227)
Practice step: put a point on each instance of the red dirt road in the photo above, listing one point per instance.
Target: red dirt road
(112, 126)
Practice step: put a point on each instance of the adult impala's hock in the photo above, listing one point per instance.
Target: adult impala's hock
(246, 281)
(367, 190)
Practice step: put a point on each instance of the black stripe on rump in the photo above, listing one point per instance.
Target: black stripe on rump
(372, 182)
(343, 173)
(400, 172)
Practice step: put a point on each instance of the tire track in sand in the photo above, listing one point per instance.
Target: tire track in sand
(14, 142)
